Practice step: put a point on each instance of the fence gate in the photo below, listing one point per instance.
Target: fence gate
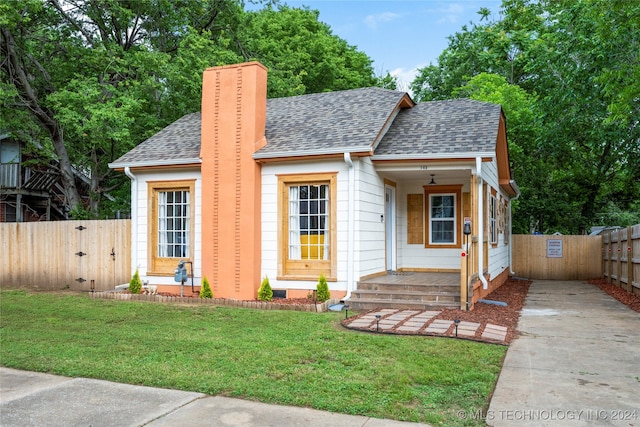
(77, 255)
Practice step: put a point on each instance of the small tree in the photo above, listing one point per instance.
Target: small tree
(323, 293)
(135, 285)
(265, 293)
(205, 289)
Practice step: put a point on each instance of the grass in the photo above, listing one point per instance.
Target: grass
(283, 357)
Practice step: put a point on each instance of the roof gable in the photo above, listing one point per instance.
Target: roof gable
(330, 122)
(442, 129)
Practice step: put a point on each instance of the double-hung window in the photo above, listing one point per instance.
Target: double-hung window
(171, 221)
(443, 216)
(307, 238)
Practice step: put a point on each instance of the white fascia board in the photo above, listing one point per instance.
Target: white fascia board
(310, 153)
(434, 156)
(163, 162)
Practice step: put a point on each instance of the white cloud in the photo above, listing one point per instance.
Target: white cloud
(406, 76)
(451, 13)
(372, 21)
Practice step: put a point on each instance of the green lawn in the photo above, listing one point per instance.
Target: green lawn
(284, 357)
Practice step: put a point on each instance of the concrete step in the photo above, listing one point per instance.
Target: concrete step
(366, 304)
(401, 295)
(411, 287)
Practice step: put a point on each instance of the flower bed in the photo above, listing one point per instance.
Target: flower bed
(296, 304)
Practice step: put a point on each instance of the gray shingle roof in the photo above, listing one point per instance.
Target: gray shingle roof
(441, 128)
(335, 122)
(177, 143)
(331, 122)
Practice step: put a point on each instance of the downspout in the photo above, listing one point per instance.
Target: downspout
(350, 225)
(485, 285)
(134, 221)
(511, 233)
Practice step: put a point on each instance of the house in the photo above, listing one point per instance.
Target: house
(364, 186)
(28, 191)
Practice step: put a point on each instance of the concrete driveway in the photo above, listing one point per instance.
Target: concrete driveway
(576, 363)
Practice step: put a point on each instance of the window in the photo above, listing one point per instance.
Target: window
(307, 237)
(171, 222)
(493, 226)
(507, 222)
(443, 216)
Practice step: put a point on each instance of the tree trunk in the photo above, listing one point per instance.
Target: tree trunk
(14, 66)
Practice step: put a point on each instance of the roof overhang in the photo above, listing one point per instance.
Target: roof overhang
(316, 154)
(486, 157)
(164, 163)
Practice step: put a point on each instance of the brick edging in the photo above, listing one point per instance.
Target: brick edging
(229, 302)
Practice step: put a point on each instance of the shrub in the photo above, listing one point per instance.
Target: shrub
(265, 293)
(205, 289)
(135, 285)
(323, 289)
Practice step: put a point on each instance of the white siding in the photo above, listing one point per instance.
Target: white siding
(143, 228)
(369, 244)
(499, 255)
(270, 218)
(370, 232)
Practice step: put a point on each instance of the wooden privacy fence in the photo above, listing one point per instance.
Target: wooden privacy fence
(621, 257)
(65, 254)
(557, 257)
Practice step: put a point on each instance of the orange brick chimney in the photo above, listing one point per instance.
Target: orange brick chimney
(234, 108)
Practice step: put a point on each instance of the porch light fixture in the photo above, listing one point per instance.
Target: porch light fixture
(378, 322)
(432, 180)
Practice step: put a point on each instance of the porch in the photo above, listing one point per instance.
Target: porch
(408, 289)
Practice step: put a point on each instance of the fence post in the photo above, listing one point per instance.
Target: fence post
(618, 257)
(629, 250)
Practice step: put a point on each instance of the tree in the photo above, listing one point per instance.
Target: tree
(302, 54)
(265, 293)
(135, 285)
(586, 143)
(322, 289)
(94, 76)
(206, 291)
(524, 130)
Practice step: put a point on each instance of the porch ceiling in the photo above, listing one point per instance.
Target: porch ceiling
(444, 172)
(440, 176)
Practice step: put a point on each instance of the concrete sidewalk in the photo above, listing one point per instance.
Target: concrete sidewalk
(576, 363)
(35, 399)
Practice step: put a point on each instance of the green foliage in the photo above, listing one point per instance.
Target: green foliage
(135, 285)
(265, 293)
(322, 288)
(205, 290)
(302, 53)
(574, 147)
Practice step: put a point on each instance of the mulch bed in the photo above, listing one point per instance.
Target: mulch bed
(513, 292)
(627, 298)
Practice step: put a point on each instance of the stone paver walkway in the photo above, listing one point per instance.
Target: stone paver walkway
(423, 322)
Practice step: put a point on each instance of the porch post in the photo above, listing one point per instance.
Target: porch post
(464, 281)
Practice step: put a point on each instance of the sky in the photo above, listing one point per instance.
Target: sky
(399, 36)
